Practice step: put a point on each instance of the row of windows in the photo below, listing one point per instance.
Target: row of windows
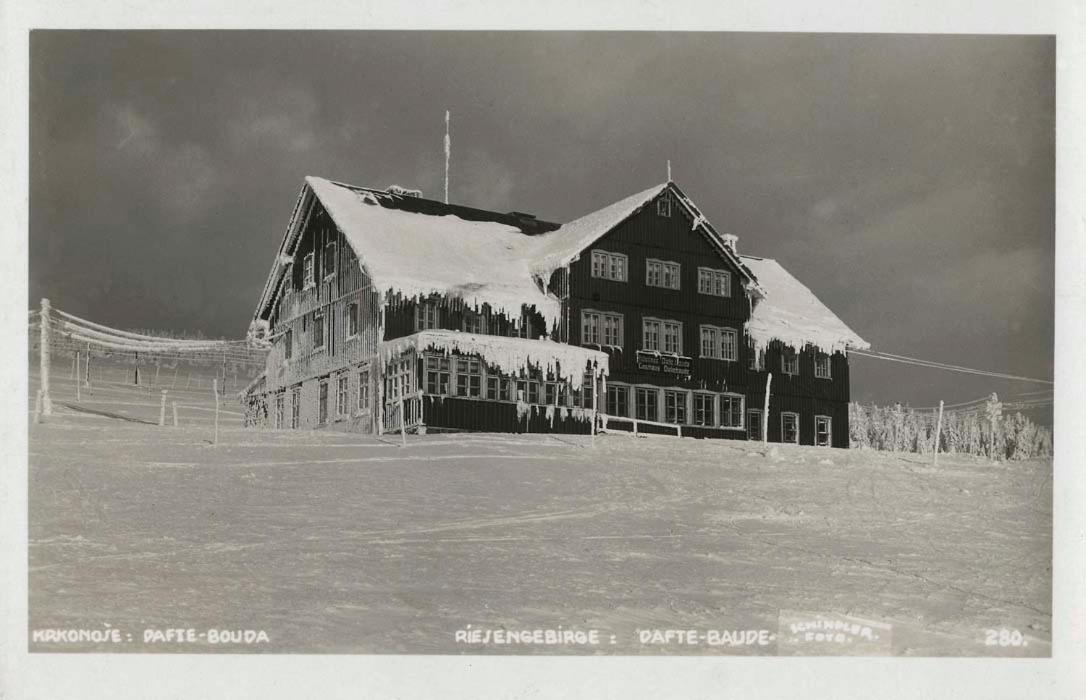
(428, 316)
(675, 406)
(318, 336)
(660, 273)
(309, 272)
(288, 409)
(470, 378)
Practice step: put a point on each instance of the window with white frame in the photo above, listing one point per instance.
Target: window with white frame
(550, 393)
(645, 405)
(437, 375)
(731, 411)
(295, 407)
(609, 266)
(618, 400)
(588, 386)
(601, 328)
(663, 206)
(342, 383)
(674, 406)
(661, 273)
(715, 282)
(308, 279)
(823, 431)
(352, 319)
(426, 316)
(318, 332)
(400, 378)
(329, 260)
(703, 409)
(789, 361)
(790, 427)
(469, 377)
(822, 366)
(719, 343)
(662, 336)
(754, 424)
(363, 390)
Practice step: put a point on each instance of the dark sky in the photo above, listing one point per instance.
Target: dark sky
(908, 180)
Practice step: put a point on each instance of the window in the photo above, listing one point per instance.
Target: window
(755, 359)
(675, 406)
(663, 206)
(497, 388)
(618, 400)
(341, 396)
(822, 366)
(790, 427)
(318, 332)
(426, 316)
(588, 398)
(703, 409)
(308, 280)
(715, 282)
(288, 344)
(352, 319)
(329, 260)
(719, 343)
(279, 411)
(609, 266)
(659, 273)
(399, 381)
(550, 393)
(437, 375)
(754, 424)
(789, 361)
(662, 336)
(469, 378)
(646, 403)
(823, 431)
(363, 390)
(533, 392)
(599, 328)
(474, 322)
(295, 407)
(731, 411)
(322, 403)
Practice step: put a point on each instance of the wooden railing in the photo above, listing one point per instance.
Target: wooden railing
(411, 407)
(605, 419)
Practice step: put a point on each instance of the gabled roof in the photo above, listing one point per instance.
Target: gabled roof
(561, 246)
(792, 314)
(420, 254)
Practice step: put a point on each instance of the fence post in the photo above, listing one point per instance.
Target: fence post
(88, 370)
(403, 419)
(174, 404)
(46, 400)
(157, 367)
(595, 405)
(215, 388)
(938, 429)
(765, 410)
(189, 380)
(75, 365)
(78, 380)
(162, 410)
(173, 384)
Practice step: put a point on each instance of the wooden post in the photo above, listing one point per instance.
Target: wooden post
(136, 376)
(215, 388)
(174, 404)
(938, 429)
(189, 380)
(595, 405)
(765, 410)
(162, 410)
(157, 367)
(78, 379)
(88, 369)
(75, 366)
(44, 359)
(403, 420)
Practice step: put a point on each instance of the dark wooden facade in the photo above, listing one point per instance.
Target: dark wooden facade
(311, 376)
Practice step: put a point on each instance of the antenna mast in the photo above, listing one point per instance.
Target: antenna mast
(448, 148)
(669, 170)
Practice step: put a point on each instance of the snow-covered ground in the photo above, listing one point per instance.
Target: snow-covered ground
(347, 543)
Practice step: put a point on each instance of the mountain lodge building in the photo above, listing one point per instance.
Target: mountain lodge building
(384, 310)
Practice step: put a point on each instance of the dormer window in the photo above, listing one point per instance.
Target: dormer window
(663, 207)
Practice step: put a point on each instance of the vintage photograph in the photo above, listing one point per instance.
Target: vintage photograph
(541, 343)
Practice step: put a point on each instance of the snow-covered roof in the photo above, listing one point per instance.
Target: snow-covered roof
(420, 254)
(792, 314)
(557, 248)
(508, 355)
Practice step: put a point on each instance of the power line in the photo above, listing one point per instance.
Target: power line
(946, 367)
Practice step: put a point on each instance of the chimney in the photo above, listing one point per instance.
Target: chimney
(730, 241)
